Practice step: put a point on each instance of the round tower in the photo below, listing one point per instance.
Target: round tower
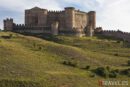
(70, 17)
(92, 19)
(54, 28)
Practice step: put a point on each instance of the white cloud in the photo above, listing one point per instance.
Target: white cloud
(115, 15)
(111, 14)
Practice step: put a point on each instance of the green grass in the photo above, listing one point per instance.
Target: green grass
(35, 62)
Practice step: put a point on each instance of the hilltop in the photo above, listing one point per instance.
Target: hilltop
(59, 61)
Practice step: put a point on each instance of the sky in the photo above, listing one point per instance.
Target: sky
(110, 14)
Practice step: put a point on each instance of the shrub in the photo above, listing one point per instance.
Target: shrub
(126, 72)
(113, 74)
(116, 54)
(10, 35)
(128, 62)
(108, 68)
(65, 62)
(119, 41)
(92, 75)
(117, 70)
(69, 63)
(7, 37)
(87, 67)
(101, 71)
(34, 45)
(72, 64)
(40, 48)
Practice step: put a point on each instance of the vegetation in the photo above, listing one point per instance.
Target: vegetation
(128, 62)
(61, 61)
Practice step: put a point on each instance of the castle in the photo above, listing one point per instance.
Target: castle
(67, 22)
(41, 21)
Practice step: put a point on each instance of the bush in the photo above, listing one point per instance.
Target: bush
(108, 68)
(126, 72)
(119, 41)
(101, 71)
(69, 63)
(116, 54)
(117, 70)
(7, 37)
(10, 35)
(128, 62)
(40, 48)
(87, 67)
(113, 74)
(34, 45)
(65, 63)
(92, 75)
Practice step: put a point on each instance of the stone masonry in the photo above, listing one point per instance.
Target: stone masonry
(69, 21)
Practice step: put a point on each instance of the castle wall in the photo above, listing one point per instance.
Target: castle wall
(117, 34)
(81, 19)
(54, 16)
(31, 29)
(70, 21)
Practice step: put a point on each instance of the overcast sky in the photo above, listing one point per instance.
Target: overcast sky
(111, 14)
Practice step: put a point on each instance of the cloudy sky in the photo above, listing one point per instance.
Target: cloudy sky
(111, 14)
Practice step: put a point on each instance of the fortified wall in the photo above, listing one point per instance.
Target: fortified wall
(116, 34)
(68, 21)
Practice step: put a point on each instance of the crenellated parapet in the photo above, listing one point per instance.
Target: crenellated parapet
(69, 20)
(117, 34)
(54, 11)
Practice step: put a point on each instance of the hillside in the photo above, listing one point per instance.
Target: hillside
(27, 61)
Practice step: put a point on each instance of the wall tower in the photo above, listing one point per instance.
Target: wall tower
(8, 24)
(36, 17)
(70, 17)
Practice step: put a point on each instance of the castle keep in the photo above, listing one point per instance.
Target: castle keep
(69, 21)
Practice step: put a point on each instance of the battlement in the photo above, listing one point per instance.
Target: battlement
(67, 21)
(55, 11)
(114, 31)
(71, 8)
(8, 19)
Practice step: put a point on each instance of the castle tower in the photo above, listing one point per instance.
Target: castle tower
(8, 24)
(91, 23)
(36, 17)
(92, 19)
(54, 28)
(90, 31)
(70, 17)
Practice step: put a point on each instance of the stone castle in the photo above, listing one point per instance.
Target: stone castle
(67, 22)
(41, 21)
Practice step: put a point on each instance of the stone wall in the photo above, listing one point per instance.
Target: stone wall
(58, 16)
(117, 34)
(36, 17)
(81, 19)
(21, 28)
(70, 21)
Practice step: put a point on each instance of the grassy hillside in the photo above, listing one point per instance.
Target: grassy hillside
(27, 61)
